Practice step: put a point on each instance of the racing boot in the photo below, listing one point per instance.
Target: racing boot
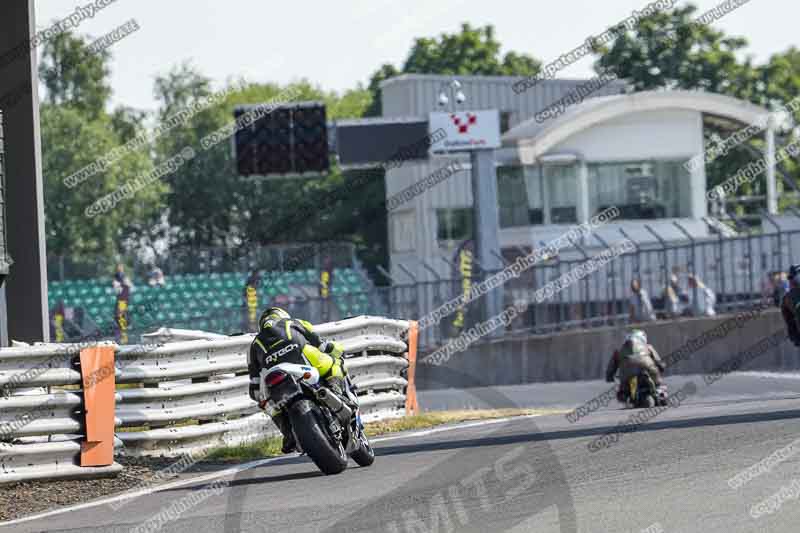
(282, 421)
(338, 386)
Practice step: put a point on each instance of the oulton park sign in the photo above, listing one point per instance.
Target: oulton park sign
(466, 130)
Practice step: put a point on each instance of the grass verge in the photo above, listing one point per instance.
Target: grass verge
(271, 447)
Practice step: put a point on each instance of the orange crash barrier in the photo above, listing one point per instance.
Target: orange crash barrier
(411, 391)
(99, 389)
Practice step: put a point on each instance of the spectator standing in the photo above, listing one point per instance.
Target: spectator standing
(781, 287)
(155, 277)
(59, 314)
(250, 297)
(702, 299)
(768, 286)
(640, 308)
(673, 294)
(325, 284)
(122, 286)
(121, 316)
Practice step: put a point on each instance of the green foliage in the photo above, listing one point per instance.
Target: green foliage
(668, 50)
(77, 131)
(211, 204)
(74, 76)
(474, 51)
(127, 122)
(69, 143)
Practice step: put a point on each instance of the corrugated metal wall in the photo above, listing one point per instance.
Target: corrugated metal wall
(417, 95)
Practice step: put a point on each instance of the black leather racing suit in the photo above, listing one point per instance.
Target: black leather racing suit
(288, 340)
(631, 359)
(790, 306)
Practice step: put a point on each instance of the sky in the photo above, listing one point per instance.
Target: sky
(340, 44)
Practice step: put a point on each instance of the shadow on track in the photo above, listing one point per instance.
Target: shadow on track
(506, 440)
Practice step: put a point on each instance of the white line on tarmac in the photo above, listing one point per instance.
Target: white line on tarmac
(241, 468)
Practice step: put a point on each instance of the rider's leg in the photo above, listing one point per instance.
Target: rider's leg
(318, 359)
(652, 370)
(330, 369)
(282, 421)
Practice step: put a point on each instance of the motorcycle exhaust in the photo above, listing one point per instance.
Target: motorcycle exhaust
(337, 406)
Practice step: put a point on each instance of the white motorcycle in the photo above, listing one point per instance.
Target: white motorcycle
(325, 427)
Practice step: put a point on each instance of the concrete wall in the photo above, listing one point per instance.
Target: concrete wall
(583, 355)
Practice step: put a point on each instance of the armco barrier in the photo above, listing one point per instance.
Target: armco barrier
(184, 397)
(42, 431)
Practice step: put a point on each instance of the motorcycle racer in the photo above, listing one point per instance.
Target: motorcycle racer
(790, 305)
(282, 338)
(634, 356)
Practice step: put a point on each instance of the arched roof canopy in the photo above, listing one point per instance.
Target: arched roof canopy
(535, 137)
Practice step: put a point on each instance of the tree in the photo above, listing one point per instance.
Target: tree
(669, 50)
(76, 132)
(209, 202)
(473, 51)
(74, 76)
(69, 143)
(127, 122)
(384, 73)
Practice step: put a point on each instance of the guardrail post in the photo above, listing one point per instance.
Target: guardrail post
(412, 407)
(99, 391)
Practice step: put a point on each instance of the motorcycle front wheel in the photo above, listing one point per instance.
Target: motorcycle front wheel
(308, 427)
(364, 455)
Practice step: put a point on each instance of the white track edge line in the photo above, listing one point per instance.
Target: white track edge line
(242, 468)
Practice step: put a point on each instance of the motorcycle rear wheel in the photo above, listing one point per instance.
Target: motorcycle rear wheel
(647, 401)
(314, 440)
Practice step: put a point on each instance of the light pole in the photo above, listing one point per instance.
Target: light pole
(486, 223)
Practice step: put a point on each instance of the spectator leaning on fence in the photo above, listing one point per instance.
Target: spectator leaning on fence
(640, 307)
(702, 299)
(780, 288)
(672, 298)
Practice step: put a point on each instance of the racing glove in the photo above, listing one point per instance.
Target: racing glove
(333, 348)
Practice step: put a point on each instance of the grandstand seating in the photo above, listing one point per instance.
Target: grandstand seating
(211, 302)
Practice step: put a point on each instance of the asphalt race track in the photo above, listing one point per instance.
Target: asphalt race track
(528, 474)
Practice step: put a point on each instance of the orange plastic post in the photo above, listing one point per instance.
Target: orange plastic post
(99, 389)
(411, 391)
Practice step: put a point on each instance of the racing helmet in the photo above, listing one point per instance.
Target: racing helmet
(636, 336)
(794, 274)
(272, 313)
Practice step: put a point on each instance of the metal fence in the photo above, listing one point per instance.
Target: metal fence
(206, 260)
(739, 270)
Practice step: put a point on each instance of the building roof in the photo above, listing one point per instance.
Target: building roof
(444, 78)
(536, 136)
